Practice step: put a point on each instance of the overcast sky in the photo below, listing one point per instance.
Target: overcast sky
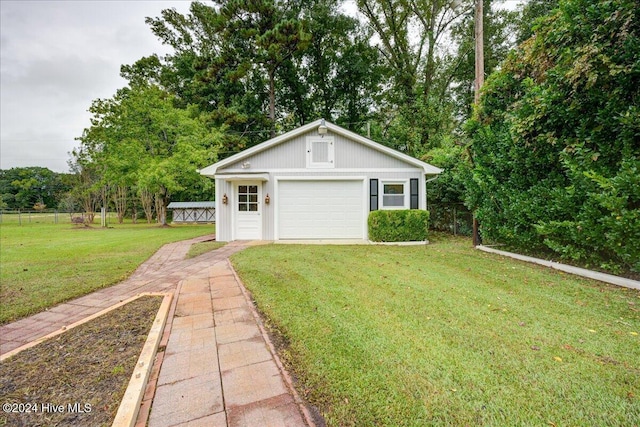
(55, 58)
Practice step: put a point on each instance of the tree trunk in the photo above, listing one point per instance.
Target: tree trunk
(120, 201)
(159, 209)
(146, 200)
(162, 200)
(89, 202)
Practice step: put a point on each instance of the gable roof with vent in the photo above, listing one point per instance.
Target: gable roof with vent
(211, 170)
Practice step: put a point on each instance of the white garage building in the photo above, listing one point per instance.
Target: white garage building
(319, 181)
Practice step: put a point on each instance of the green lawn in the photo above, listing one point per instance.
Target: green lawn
(203, 247)
(45, 264)
(446, 335)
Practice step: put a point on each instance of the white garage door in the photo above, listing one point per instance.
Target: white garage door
(320, 210)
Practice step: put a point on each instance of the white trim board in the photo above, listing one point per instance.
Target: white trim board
(590, 274)
(319, 178)
(226, 172)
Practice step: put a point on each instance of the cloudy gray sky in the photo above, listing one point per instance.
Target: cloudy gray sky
(55, 58)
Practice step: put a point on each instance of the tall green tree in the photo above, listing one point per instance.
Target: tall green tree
(226, 59)
(416, 113)
(270, 33)
(499, 26)
(555, 140)
(338, 75)
(262, 67)
(87, 188)
(139, 139)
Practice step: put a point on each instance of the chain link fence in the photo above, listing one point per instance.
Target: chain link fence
(48, 216)
(452, 218)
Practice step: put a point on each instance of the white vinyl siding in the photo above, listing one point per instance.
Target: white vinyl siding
(293, 154)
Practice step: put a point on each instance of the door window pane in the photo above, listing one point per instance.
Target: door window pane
(248, 198)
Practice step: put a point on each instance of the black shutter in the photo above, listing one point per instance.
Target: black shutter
(413, 185)
(373, 194)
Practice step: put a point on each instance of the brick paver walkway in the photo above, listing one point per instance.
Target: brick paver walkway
(218, 367)
(160, 273)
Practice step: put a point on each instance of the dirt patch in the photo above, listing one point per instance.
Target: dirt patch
(77, 378)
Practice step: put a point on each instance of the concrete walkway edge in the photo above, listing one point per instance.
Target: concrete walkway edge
(274, 353)
(590, 274)
(219, 367)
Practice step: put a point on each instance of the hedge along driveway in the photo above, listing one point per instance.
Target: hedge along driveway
(445, 335)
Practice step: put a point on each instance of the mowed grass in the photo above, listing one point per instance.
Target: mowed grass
(444, 335)
(203, 247)
(45, 264)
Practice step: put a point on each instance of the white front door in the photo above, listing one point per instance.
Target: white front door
(248, 210)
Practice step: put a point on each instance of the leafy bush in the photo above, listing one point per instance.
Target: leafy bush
(407, 225)
(555, 150)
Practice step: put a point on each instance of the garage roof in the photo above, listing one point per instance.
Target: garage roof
(191, 205)
(428, 169)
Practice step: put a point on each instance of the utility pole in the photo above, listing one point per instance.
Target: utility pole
(479, 39)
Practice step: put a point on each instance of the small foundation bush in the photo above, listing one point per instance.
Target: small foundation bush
(407, 225)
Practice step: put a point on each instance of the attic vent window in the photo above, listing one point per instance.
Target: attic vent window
(320, 153)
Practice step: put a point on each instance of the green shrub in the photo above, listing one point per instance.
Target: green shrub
(405, 225)
(556, 158)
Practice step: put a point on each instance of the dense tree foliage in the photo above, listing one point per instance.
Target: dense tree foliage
(556, 140)
(141, 145)
(239, 72)
(414, 114)
(264, 67)
(531, 12)
(22, 188)
(499, 26)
